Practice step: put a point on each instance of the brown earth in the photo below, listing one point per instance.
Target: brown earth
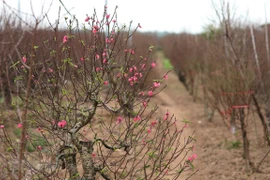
(217, 158)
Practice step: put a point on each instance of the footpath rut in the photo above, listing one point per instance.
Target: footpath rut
(177, 101)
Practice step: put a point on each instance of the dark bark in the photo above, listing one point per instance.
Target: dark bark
(182, 78)
(246, 154)
(72, 166)
(265, 128)
(87, 161)
(244, 135)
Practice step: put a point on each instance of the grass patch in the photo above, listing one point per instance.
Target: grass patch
(234, 144)
(167, 64)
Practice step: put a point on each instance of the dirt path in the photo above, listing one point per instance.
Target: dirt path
(216, 159)
(177, 101)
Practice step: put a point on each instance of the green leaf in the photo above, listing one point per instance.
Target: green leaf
(192, 166)
(15, 64)
(9, 149)
(186, 121)
(18, 78)
(180, 171)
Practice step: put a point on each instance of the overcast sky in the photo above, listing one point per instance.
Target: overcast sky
(153, 15)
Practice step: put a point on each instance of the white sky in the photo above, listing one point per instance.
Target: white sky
(154, 15)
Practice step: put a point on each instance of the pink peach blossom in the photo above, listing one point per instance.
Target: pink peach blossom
(39, 129)
(193, 157)
(153, 123)
(24, 59)
(166, 116)
(165, 76)
(97, 68)
(156, 84)
(119, 120)
(20, 125)
(50, 70)
(65, 39)
(108, 41)
(94, 31)
(144, 104)
(143, 142)
(62, 123)
(87, 19)
(143, 66)
(137, 118)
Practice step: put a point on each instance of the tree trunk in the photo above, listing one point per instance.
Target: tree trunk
(264, 124)
(87, 161)
(72, 166)
(246, 154)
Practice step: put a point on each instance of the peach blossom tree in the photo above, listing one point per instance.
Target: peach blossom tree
(82, 109)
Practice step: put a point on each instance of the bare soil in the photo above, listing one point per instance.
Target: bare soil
(217, 158)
